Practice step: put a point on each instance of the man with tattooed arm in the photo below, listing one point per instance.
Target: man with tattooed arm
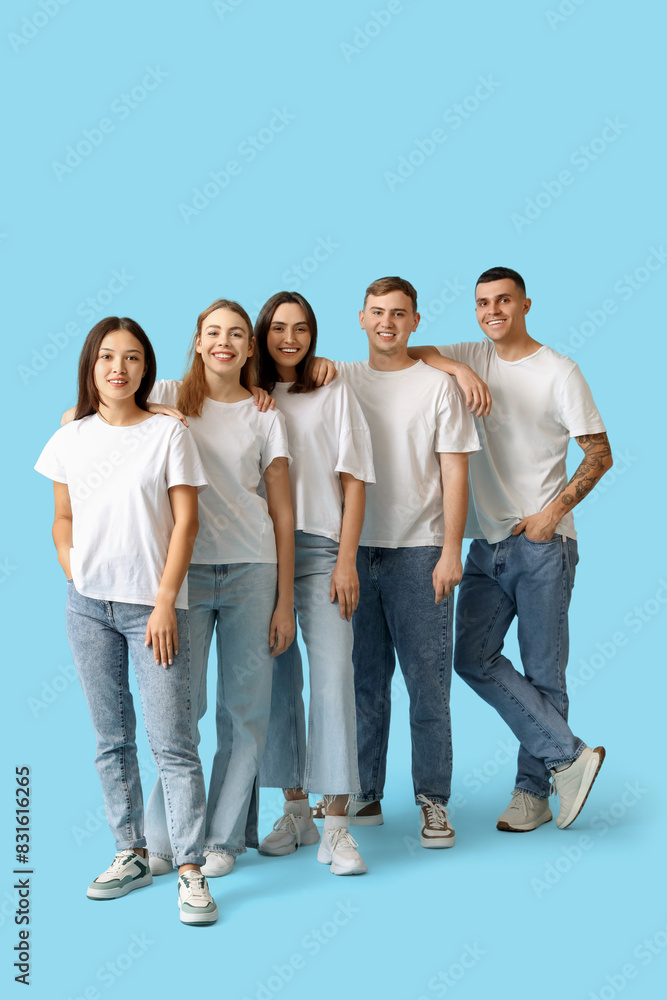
(522, 559)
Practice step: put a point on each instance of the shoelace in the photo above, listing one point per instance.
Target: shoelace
(341, 833)
(197, 888)
(287, 822)
(119, 862)
(436, 814)
(520, 798)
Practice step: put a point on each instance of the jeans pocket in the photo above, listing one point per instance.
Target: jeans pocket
(537, 541)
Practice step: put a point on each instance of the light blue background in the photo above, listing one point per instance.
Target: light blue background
(352, 114)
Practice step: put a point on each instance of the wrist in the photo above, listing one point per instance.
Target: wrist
(165, 600)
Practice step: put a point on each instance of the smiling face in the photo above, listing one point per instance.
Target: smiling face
(120, 367)
(288, 339)
(224, 343)
(388, 321)
(501, 309)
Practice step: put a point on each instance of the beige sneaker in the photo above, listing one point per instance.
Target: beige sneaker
(574, 783)
(525, 812)
(294, 829)
(436, 828)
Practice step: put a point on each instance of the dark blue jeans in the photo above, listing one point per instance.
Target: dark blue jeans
(532, 581)
(397, 615)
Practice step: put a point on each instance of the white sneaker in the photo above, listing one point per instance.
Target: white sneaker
(525, 812)
(574, 783)
(365, 813)
(339, 849)
(160, 866)
(194, 900)
(294, 829)
(126, 872)
(436, 829)
(217, 864)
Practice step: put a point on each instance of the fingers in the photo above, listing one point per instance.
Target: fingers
(282, 642)
(330, 372)
(519, 527)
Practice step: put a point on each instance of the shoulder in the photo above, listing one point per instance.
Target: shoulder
(428, 376)
(165, 391)
(559, 364)
(470, 352)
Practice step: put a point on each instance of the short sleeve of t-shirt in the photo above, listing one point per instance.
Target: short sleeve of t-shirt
(51, 462)
(455, 428)
(355, 453)
(183, 466)
(276, 442)
(578, 412)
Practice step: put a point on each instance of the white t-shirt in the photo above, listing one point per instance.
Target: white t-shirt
(327, 434)
(413, 416)
(539, 403)
(237, 444)
(118, 480)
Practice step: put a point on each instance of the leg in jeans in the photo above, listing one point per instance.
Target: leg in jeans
(246, 596)
(374, 663)
(422, 632)
(284, 758)
(165, 696)
(535, 579)
(331, 758)
(167, 707)
(202, 617)
(543, 599)
(100, 656)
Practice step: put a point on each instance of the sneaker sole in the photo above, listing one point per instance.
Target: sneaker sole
(436, 842)
(120, 891)
(198, 919)
(579, 805)
(359, 870)
(506, 828)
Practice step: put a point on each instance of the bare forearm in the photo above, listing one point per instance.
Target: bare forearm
(354, 494)
(62, 537)
(179, 555)
(596, 461)
(454, 500)
(283, 526)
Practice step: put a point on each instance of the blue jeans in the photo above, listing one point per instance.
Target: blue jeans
(328, 761)
(397, 614)
(100, 634)
(236, 601)
(532, 581)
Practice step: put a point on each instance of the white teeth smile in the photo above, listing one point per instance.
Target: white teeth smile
(117, 381)
(223, 357)
(289, 350)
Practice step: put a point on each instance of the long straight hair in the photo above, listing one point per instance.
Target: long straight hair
(88, 398)
(192, 393)
(267, 371)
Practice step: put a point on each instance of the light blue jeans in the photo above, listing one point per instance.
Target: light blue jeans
(532, 581)
(328, 761)
(397, 615)
(100, 634)
(236, 601)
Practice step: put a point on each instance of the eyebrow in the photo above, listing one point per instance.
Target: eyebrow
(216, 326)
(486, 298)
(127, 350)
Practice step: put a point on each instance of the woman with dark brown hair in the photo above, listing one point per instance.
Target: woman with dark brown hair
(126, 484)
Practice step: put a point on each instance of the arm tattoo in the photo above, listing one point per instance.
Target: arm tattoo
(592, 466)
